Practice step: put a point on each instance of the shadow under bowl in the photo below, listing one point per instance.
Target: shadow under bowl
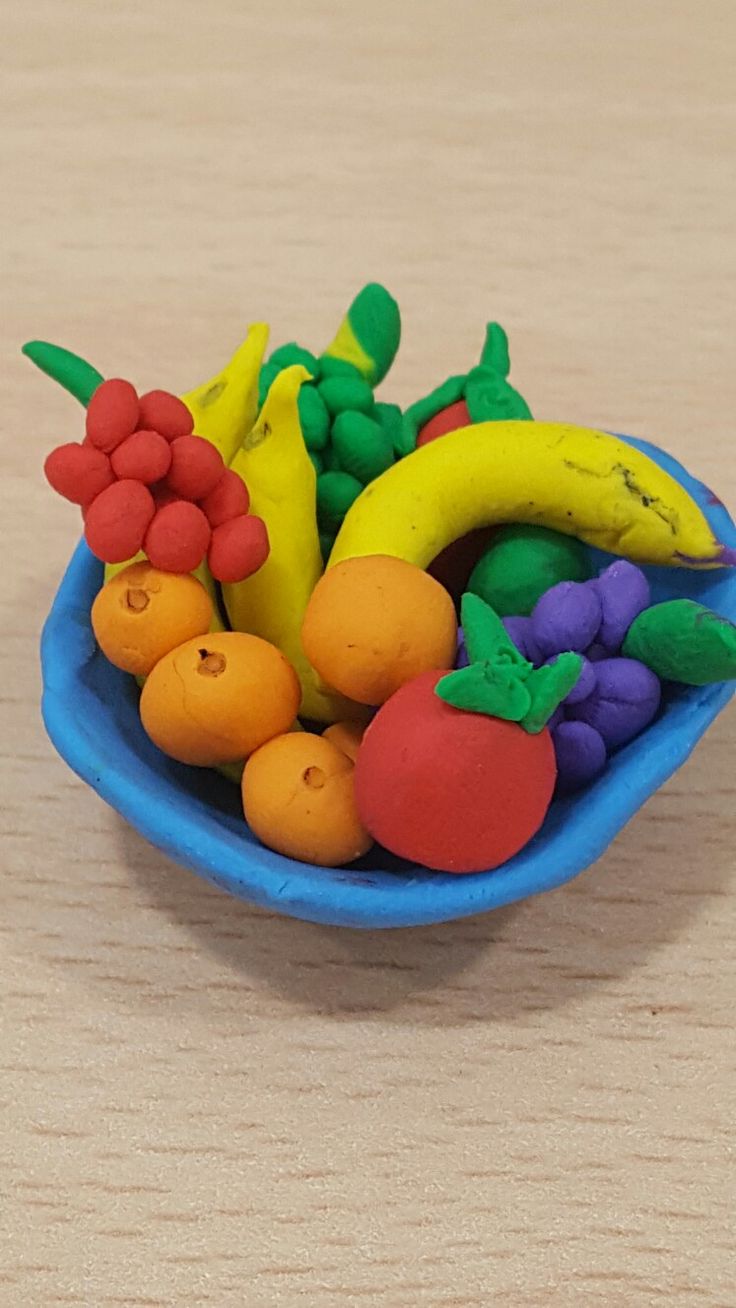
(90, 710)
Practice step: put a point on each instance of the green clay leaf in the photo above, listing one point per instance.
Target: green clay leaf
(490, 398)
(486, 638)
(547, 688)
(77, 376)
(486, 688)
(495, 353)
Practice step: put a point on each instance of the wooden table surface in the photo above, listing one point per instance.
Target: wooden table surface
(202, 1104)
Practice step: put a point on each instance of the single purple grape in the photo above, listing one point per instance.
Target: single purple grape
(624, 593)
(566, 617)
(581, 755)
(625, 700)
(520, 631)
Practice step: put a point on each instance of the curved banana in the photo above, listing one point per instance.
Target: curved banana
(275, 466)
(225, 407)
(578, 481)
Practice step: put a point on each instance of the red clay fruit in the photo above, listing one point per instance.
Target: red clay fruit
(177, 538)
(455, 791)
(166, 413)
(229, 499)
(449, 419)
(238, 548)
(145, 456)
(112, 414)
(78, 472)
(196, 467)
(117, 519)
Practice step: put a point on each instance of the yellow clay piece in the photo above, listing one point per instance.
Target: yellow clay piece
(576, 480)
(275, 466)
(225, 407)
(346, 346)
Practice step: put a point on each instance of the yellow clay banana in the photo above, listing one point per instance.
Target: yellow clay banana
(225, 407)
(274, 464)
(578, 481)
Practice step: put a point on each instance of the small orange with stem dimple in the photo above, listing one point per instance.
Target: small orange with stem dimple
(142, 613)
(298, 798)
(218, 697)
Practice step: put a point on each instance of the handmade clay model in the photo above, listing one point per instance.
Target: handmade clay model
(216, 699)
(299, 798)
(334, 536)
(374, 623)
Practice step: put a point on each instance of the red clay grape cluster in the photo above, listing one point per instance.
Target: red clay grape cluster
(145, 482)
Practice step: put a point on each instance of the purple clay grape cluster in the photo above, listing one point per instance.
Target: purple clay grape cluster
(615, 698)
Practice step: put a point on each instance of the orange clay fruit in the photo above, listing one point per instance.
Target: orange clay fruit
(142, 614)
(347, 736)
(376, 622)
(218, 697)
(298, 798)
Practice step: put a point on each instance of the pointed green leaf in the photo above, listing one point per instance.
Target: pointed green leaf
(495, 353)
(69, 370)
(486, 638)
(547, 688)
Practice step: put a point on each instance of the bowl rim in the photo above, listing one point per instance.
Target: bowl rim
(351, 897)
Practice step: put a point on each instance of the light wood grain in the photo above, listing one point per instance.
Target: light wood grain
(205, 1105)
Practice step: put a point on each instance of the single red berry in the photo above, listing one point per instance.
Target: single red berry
(78, 472)
(450, 419)
(145, 456)
(239, 547)
(196, 467)
(177, 538)
(228, 500)
(116, 521)
(112, 414)
(167, 414)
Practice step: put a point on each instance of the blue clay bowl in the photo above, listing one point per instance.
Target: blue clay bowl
(194, 816)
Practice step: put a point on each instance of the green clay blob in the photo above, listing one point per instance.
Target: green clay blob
(486, 637)
(77, 376)
(522, 563)
(391, 419)
(329, 366)
(326, 542)
(287, 355)
(376, 323)
(683, 641)
(490, 398)
(313, 418)
(317, 462)
(340, 393)
(336, 491)
(361, 446)
(268, 374)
